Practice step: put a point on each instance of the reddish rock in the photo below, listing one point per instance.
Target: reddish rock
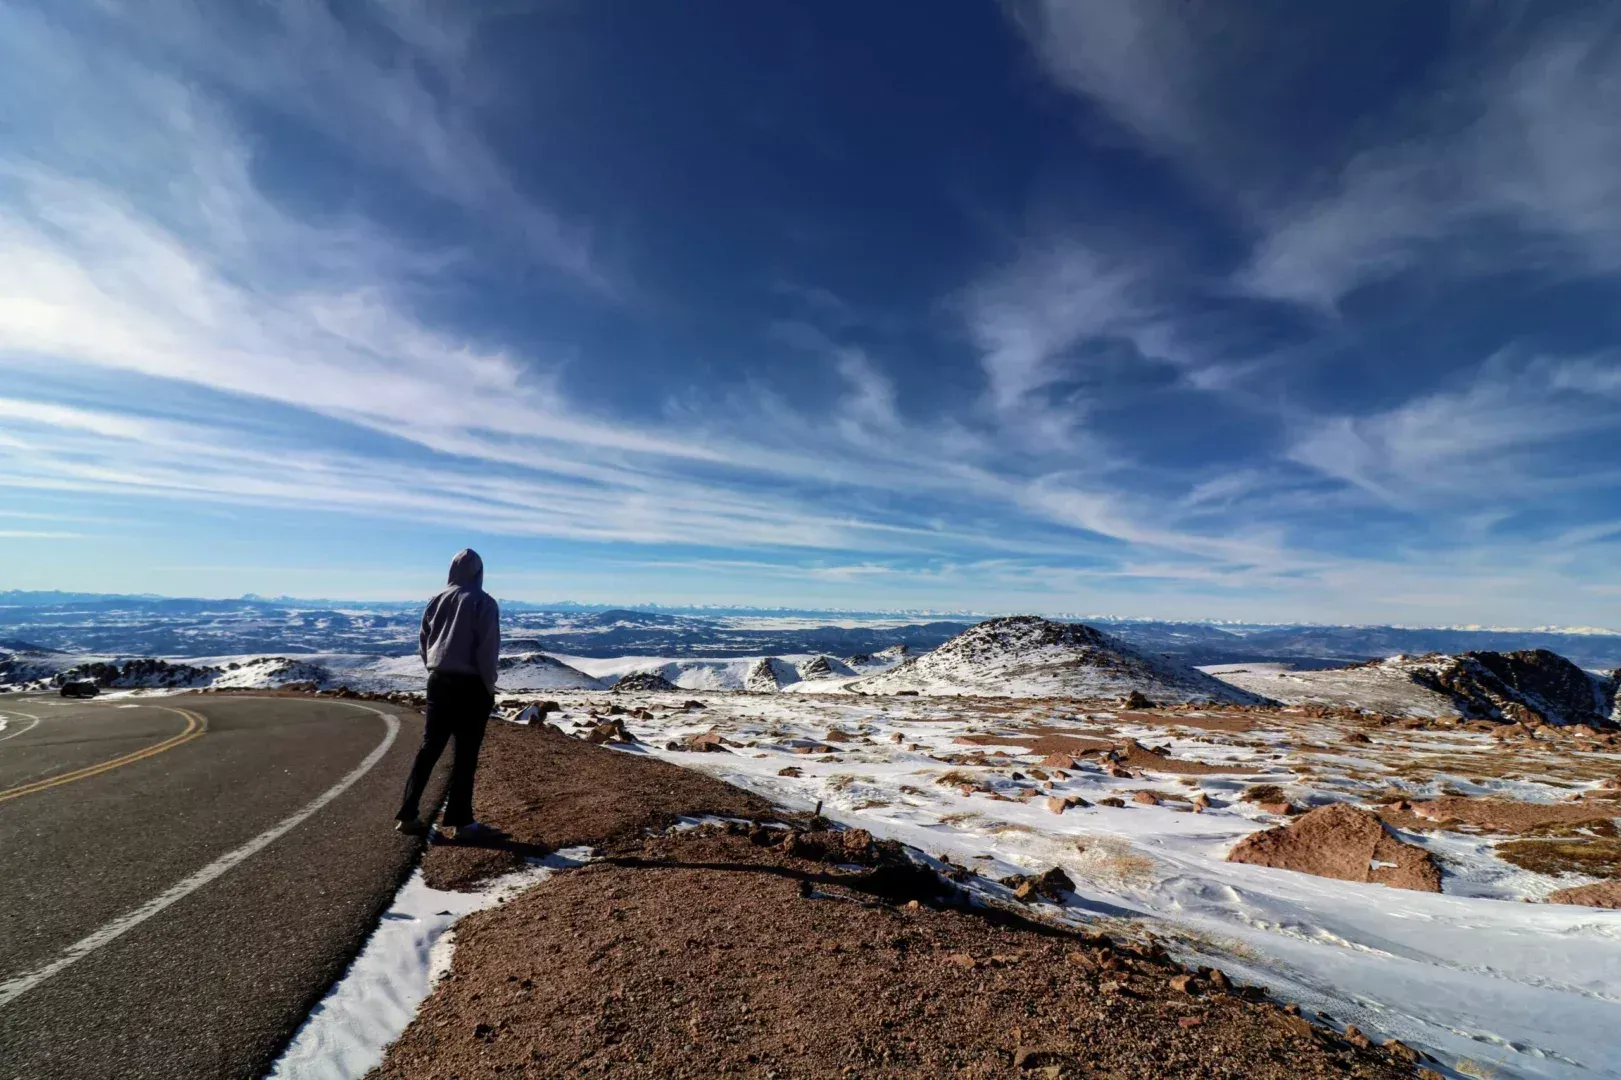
(1342, 842)
(1147, 798)
(1281, 809)
(1057, 804)
(1604, 894)
(791, 770)
(705, 742)
(1059, 761)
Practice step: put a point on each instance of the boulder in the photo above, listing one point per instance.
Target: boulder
(1342, 842)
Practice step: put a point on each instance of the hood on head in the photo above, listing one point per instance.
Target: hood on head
(467, 569)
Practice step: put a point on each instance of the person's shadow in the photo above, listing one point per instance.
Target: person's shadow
(498, 841)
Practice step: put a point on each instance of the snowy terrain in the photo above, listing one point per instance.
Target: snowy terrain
(1027, 656)
(1497, 686)
(104, 625)
(1473, 975)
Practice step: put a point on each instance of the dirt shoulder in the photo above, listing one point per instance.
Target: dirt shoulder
(548, 791)
(715, 953)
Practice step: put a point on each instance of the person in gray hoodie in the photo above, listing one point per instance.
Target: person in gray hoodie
(460, 644)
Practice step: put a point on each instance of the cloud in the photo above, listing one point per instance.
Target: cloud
(1505, 435)
(1517, 165)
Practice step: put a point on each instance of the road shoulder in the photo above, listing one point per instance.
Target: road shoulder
(737, 950)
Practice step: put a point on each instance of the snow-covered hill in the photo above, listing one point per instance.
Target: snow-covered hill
(1028, 656)
(537, 671)
(1532, 684)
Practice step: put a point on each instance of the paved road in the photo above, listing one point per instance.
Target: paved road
(181, 878)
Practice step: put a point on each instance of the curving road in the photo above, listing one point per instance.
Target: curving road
(181, 878)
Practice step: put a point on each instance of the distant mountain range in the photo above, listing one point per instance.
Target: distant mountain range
(98, 625)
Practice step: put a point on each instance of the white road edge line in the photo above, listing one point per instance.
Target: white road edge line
(12, 989)
(16, 716)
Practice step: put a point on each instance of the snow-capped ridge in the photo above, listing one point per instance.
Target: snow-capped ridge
(1029, 656)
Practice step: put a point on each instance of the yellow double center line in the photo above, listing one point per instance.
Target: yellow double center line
(196, 724)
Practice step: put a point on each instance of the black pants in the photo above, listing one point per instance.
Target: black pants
(458, 707)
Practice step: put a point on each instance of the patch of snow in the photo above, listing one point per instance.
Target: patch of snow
(345, 1035)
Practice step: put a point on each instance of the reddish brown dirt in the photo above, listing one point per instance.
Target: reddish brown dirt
(1234, 722)
(1605, 894)
(1046, 741)
(1039, 744)
(548, 791)
(707, 956)
(1508, 816)
(1342, 842)
(1501, 816)
(1139, 756)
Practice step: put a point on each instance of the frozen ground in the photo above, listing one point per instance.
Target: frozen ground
(1385, 688)
(1476, 975)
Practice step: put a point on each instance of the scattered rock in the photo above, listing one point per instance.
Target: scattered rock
(1341, 842)
(1147, 798)
(791, 770)
(1050, 885)
(1112, 800)
(609, 731)
(1136, 700)
(705, 742)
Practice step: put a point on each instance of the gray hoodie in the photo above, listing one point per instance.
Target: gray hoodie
(461, 630)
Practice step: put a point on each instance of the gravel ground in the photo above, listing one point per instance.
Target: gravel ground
(710, 952)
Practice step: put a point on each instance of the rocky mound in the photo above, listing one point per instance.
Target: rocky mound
(1342, 842)
(882, 660)
(1529, 686)
(650, 682)
(537, 671)
(824, 667)
(768, 674)
(1028, 656)
(142, 672)
(1533, 686)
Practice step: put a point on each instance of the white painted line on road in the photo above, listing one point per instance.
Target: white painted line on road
(12, 989)
(5, 722)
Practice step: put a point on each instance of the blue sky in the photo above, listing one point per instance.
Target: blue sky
(1249, 310)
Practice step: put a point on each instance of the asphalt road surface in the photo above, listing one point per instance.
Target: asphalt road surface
(183, 877)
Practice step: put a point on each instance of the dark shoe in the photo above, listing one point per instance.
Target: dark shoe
(414, 827)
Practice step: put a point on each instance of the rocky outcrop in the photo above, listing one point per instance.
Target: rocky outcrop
(1342, 842)
(824, 667)
(649, 682)
(145, 671)
(1531, 686)
(768, 674)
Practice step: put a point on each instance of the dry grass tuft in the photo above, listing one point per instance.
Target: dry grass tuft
(1113, 859)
